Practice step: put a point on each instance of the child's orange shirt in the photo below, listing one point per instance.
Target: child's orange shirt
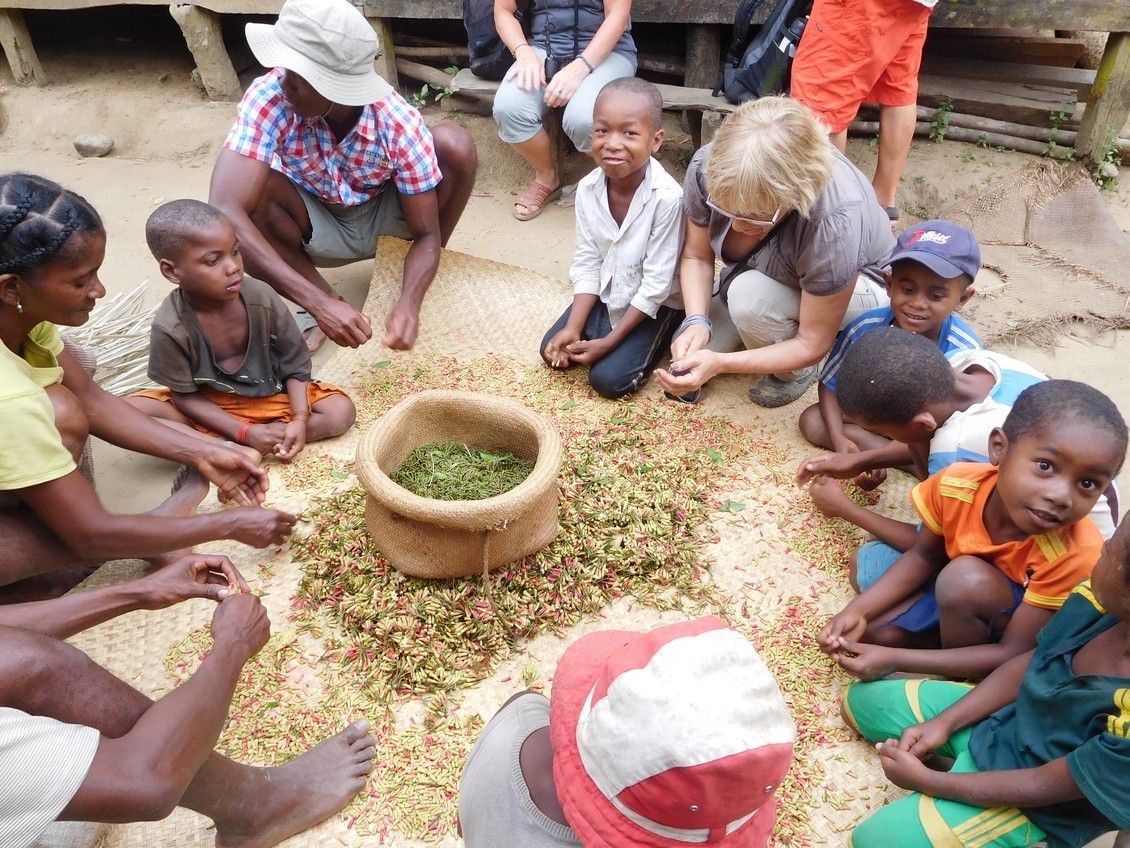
(952, 504)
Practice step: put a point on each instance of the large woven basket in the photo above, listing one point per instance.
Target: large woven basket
(432, 538)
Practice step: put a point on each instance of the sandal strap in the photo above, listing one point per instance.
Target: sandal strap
(536, 194)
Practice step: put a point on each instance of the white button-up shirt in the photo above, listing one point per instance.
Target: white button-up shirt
(635, 263)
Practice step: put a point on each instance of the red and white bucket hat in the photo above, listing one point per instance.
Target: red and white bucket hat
(670, 738)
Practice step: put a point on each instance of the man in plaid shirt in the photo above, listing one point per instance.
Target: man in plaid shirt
(325, 157)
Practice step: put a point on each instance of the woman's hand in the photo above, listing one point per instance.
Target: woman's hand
(689, 373)
(238, 478)
(528, 69)
(560, 89)
(693, 339)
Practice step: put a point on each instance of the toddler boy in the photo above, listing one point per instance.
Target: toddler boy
(226, 347)
(628, 236)
(931, 275)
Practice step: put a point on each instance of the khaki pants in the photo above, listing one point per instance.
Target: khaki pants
(766, 312)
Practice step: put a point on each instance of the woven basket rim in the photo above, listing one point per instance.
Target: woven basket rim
(490, 512)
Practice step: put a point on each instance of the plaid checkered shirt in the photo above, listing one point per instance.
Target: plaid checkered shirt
(389, 141)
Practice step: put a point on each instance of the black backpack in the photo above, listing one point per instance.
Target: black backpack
(489, 58)
(758, 66)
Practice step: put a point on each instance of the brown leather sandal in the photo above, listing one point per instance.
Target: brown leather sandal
(534, 199)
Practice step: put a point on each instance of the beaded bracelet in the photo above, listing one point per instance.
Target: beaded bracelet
(588, 64)
(699, 320)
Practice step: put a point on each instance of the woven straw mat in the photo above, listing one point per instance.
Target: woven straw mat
(477, 306)
(1052, 252)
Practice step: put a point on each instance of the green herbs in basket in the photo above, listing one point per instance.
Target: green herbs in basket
(448, 471)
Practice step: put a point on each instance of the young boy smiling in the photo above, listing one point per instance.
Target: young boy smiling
(931, 275)
(628, 235)
(1040, 748)
(1001, 545)
(226, 346)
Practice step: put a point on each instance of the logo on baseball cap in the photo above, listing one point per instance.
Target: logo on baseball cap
(947, 249)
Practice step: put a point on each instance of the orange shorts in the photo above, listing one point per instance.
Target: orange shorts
(859, 51)
(263, 410)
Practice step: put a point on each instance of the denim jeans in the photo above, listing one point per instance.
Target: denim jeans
(623, 369)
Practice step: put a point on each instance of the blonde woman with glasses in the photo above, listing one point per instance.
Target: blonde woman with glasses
(802, 240)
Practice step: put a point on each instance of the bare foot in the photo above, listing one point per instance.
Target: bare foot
(315, 338)
(290, 798)
(189, 489)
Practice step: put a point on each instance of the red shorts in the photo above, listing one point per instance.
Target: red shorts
(859, 51)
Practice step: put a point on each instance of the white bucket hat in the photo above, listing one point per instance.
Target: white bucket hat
(326, 42)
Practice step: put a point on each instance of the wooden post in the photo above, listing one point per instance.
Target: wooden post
(385, 63)
(703, 65)
(18, 48)
(201, 28)
(1109, 103)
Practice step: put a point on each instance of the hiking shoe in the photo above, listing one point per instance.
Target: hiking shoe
(771, 391)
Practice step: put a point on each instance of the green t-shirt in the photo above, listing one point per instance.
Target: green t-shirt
(31, 449)
(1057, 713)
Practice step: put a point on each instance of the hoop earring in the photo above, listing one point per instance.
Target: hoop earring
(19, 308)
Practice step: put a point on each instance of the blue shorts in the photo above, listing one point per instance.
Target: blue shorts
(923, 613)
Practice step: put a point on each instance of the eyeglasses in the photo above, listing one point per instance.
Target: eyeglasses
(753, 222)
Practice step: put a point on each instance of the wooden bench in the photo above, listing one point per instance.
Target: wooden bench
(1106, 113)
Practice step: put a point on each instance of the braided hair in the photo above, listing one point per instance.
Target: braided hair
(37, 219)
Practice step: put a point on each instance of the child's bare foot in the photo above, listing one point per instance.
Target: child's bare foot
(292, 797)
(188, 490)
(829, 496)
(315, 338)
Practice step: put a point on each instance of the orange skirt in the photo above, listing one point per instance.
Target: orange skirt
(264, 410)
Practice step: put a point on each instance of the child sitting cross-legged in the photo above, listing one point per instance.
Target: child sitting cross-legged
(932, 411)
(1001, 545)
(931, 275)
(1040, 749)
(229, 352)
(629, 232)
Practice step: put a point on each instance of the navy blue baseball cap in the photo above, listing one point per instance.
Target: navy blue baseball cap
(947, 249)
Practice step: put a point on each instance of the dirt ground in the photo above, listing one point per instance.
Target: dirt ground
(167, 136)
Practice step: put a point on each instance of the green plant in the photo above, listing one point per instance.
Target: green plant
(1058, 118)
(968, 156)
(419, 99)
(1107, 163)
(873, 142)
(940, 125)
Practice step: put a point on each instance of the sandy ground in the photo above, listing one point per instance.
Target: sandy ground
(167, 137)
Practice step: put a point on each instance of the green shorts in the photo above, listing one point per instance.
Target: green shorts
(881, 711)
